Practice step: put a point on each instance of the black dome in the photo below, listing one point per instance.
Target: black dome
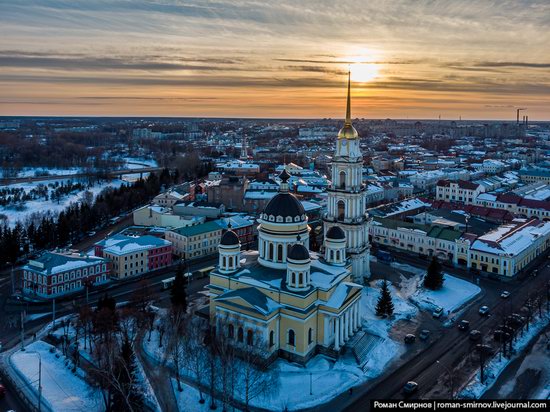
(229, 238)
(284, 204)
(336, 233)
(284, 175)
(298, 252)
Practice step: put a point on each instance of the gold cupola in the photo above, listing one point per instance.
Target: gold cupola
(348, 131)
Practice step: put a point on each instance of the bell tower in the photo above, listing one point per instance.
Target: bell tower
(346, 206)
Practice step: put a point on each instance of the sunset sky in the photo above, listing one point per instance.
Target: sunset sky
(477, 59)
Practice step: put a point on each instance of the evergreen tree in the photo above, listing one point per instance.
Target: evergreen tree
(434, 277)
(385, 303)
(178, 293)
(127, 395)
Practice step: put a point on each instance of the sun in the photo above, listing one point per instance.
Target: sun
(364, 72)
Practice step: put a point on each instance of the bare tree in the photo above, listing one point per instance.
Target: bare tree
(194, 352)
(176, 342)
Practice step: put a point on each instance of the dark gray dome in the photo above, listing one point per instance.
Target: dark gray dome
(284, 175)
(229, 238)
(336, 233)
(298, 252)
(284, 204)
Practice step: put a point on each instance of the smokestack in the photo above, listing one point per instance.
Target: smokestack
(526, 120)
(517, 115)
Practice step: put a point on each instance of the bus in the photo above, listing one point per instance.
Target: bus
(167, 283)
(202, 273)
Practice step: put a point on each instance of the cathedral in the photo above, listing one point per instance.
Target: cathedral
(283, 298)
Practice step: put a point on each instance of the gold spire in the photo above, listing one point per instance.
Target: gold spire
(348, 131)
(348, 107)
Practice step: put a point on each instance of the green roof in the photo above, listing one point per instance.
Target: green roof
(194, 230)
(394, 224)
(443, 233)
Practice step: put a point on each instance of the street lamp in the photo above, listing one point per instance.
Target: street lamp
(39, 379)
(450, 373)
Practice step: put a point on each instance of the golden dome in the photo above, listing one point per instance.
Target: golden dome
(348, 132)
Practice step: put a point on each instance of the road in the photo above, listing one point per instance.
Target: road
(449, 349)
(112, 173)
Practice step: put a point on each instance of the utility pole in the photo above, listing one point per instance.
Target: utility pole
(39, 382)
(53, 314)
(22, 331)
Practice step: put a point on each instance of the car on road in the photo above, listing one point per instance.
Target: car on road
(484, 310)
(410, 338)
(475, 335)
(2, 391)
(486, 349)
(410, 388)
(438, 311)
(92, 233)
(464, 325)
(505, 294)
(424, 334)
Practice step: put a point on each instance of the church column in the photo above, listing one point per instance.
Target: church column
(346, 324)
(341, 325)
(356, 314)
(350, 322)
(337, 334)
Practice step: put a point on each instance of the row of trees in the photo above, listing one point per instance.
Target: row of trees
(70, 225)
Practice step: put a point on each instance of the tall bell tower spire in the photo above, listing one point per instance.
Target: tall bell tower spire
(348, 106)
(346, 206)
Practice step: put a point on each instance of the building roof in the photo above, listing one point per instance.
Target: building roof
(285, 205)
(50, 263)
(134, 244)
(199, 229)
(463, 184)
(336, 233)
(229, 238)
(444, 233)
(257, 301)
(298, 252)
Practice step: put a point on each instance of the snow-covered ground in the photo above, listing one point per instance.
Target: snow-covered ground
(188, 399)
(62, 390)
(45, 171)
(475, 389)
(537, 360)
(451, 297)
(454, 294)
(327, 377)
(14, 214)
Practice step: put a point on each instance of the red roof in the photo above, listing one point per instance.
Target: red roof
(463, 184)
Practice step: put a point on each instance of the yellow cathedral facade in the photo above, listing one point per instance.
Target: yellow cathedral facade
(283, 298)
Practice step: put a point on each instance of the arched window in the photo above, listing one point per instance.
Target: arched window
(293, 278)
(337, 255)
(271, 338)
(341, 210)
(280, 253)
(301, 278)
(342, 183)
(230, 262)
(240, 335)
(309, 336)
(231, 331)
(224, 261)
(270, 251)
(249, 336)
(331, 253)
(291, 338)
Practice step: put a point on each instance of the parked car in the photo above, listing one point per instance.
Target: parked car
(410, 387)
(438, 311)
(2, 391)
(464, 325)
(475, 335)
(424, 334)
(505, 294)
(410, 338)
(486, 349)
(484, 310)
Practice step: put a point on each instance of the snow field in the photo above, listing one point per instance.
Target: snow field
(61, 389)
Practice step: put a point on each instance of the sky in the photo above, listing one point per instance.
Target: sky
(478, 59)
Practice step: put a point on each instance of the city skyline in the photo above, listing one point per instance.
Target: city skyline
(475, 60)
